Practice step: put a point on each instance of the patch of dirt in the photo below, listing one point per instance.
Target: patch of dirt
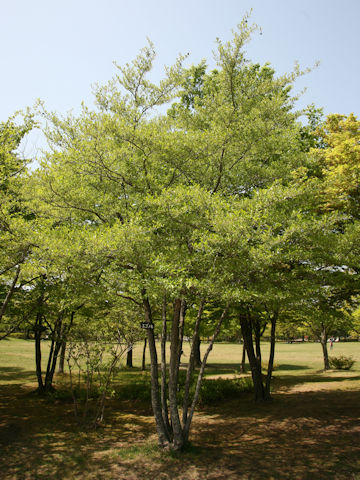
(299, 435)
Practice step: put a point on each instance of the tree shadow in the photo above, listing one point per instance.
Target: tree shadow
(289, 381)
(16, 374)
(310, 434)
(289, 367)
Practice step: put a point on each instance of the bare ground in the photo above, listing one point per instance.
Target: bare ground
(312, 434)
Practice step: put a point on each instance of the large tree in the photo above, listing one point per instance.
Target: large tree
(157, 192)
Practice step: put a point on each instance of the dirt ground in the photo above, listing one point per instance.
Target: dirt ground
(313, 434)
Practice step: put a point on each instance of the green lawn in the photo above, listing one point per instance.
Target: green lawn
(291, 360)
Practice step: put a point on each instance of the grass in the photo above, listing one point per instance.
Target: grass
(297, 359)
(310, 431)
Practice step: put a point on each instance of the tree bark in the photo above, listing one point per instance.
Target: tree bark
(163, 435)
(175, 346)
(37, 334)
(243, 359)
(272, 354)
(192, 361)
(255, 366)
(64, 332)
(323, 341)
(62, 358)
(164, 406)
(201, 374)
(143, 365)
(197, 353)
(129, 357)
(56, 343)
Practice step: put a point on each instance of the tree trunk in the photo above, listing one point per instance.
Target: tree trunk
(37, 334)
(129, 357)
(255, 365)
(62, 358)
(175, 350)
(192, 361)
(164, 406)
(163, 434)
(143, 365)
(64, 332)
(272, 354)
(201, 374)
(183, 308)
(56, 343)
(197, 353)
(323, 341)
(243, 359)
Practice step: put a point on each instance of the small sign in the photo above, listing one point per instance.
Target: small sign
(147, 325)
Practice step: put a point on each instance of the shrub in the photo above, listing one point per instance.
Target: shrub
(341, 363)
(136, 390)
(211, 391)
(223, 388)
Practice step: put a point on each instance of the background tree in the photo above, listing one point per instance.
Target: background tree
(15, 242)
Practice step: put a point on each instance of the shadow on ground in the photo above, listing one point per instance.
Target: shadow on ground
(310, 435)
(16, 375)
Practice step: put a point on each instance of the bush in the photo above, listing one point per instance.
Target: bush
(22, 335)
(213, 391)
(136, 390)
(341, 363)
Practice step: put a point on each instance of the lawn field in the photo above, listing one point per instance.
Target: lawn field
(17, 364)
(311, 429)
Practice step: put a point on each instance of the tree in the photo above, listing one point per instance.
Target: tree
(155, 193)
(340, 162)
(15, 242)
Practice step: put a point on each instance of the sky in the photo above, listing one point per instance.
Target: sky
(56, 50)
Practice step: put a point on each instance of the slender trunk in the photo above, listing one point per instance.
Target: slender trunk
(155, 396)
(181, 328)
(255, 366)
(129, 357)
(323, 341)
(62, 357)
(164, 405)
(272, 354)
(192, 361)
(243, 359)
(143, 365)
(201, 374)
(197, 354)
(257, 337)
(178, 439)
(51, 353)
(56, 342)
(64, 332)
(37, 333)
(50, 375)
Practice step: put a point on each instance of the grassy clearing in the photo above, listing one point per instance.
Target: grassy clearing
(310, 431)
(298, 359)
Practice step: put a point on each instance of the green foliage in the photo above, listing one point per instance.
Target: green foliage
(213, 391)
(136, 389)
(341, 362)
(198, 188)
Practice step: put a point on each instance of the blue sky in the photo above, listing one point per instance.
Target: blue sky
(56, 50)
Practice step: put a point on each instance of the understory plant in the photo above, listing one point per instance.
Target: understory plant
(342, 362)
(93, 356)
